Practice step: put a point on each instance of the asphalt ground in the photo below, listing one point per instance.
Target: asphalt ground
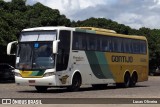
(148, 90)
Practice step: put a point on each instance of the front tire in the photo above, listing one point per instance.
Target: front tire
(126, 82)
(76, 83)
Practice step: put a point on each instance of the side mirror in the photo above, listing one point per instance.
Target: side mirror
(55, 46)
(11, 48)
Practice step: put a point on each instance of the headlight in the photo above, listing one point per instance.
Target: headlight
(17, 74)
(48, 74)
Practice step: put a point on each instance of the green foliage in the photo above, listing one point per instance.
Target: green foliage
(15, 16)
(103, 23)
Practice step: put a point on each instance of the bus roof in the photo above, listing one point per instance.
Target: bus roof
(93, 30)
(48, 28)
(108, 32)
(98, 29)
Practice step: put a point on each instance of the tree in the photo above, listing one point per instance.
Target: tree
(15, 16)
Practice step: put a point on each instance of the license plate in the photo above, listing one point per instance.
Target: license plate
(32, 81)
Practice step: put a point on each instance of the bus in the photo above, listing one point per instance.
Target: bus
(71, 57)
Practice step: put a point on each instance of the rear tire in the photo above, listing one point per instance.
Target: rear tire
(76, 83)
(127, 80)
(134, 79)
(41, 88)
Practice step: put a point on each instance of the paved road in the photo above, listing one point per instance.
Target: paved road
(148, 89)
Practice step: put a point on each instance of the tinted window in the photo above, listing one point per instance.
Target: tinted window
(136, 46)
(127, 45)
(111, 44)
(104, 43)
(115, 44)
(79, 41)
(91, 43)
(143, 47)
(95, 42)
(63, 50)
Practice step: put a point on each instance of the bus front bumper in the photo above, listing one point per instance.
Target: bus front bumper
(45, 81)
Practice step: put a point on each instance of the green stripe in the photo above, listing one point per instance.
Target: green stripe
(85, 31)
(41, 72)
(37, 73)
(91, 31)
(94, 64)
(34, 73)
(104, 64)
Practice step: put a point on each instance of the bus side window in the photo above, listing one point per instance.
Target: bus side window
(110, 44)
(127, 46)
(115, 44)
(79, 41)
(82, 42)
(104, 44)
(75, 45)
(91, 43)
(119, 41)
(131, 46)
(136, 46)
(142, 47)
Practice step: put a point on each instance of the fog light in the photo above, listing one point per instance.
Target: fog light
(48, 74)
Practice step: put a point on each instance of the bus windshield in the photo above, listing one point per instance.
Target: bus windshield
(35, 55)
(35, 50)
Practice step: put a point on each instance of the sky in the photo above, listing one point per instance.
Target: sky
(133, 13)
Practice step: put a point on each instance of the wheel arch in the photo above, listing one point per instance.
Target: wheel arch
(126, 72)
(134, 71)
(76, 72)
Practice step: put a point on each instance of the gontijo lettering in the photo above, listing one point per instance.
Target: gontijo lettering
(128, 59)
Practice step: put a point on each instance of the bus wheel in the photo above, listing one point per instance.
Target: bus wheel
(127, 79)
(134, 79)
(76, 83)
(126, 82)
(41, 88)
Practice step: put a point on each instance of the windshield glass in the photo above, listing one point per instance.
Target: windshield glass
(35, 55)
(43, 57)
(35, 50)
(24, 59)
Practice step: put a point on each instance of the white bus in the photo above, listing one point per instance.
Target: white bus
(70, 57)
